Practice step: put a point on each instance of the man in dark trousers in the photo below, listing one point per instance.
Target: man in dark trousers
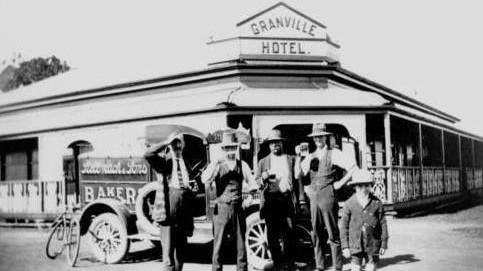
(173, 202)
(229, 174)
(320, 168)
(276, 172)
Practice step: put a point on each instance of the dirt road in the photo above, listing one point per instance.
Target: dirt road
(436, 242)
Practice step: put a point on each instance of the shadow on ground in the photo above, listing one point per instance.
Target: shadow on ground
(439, 208)
(397, 260)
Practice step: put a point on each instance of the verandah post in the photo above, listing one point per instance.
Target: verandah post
(443, 160)
(420, 143)
(388, 164)
(462, 182)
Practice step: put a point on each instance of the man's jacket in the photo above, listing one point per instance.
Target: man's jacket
(163, 166)
(265, 165)
(363, 229)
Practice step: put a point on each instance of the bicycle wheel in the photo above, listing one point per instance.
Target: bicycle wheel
(55, 243)
(73, 242)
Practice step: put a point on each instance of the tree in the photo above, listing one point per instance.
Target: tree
(31, 71)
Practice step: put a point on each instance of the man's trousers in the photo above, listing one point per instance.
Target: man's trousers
(324, 214)
(229, 216)
(173, 235)
(279, 221)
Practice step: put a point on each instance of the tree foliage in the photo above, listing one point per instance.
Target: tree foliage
(31, 71)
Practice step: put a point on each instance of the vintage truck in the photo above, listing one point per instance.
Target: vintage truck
(117, 194)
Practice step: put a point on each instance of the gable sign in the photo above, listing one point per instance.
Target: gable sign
(281, 33)
(281, 21)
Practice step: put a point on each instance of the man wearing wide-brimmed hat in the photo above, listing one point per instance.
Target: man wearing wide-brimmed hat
(276, 172)
(229, 175)
(363, 226)
(320, 168)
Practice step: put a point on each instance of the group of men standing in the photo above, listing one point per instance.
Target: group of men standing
(278, 174)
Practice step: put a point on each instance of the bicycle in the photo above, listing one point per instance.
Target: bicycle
(65, 233)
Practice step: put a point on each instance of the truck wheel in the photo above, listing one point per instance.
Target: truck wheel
(258, 255)
(108, 238)
(144, 203)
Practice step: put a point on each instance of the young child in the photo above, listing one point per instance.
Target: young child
(363, 228)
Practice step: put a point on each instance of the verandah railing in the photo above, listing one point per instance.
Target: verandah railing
(414, 183)
(31, 197)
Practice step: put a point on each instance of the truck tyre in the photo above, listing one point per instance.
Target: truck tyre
(143, 201)
(258, 254)
(108, 238)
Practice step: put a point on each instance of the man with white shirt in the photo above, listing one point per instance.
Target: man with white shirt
(229, 174)
(173, 202)
(276, 173)
(320, 167)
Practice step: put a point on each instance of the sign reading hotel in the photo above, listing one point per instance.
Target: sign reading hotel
(277, 33)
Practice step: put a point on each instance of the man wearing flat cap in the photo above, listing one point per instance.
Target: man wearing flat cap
(276, 173)
(320, 168)
(229, 174)
(172, 210)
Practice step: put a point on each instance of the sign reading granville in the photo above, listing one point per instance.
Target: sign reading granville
(298, 24)
(277, 33)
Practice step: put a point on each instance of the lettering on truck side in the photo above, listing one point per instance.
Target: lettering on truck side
(126, 195)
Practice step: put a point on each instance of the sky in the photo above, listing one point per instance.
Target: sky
(430, 50)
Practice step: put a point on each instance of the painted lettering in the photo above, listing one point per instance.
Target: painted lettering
(312, 29)
(130, 195)
(300, 52)
(116, 167)
(287, 21)
(265, 47)
(271, 24)
(119, 192)
(101, 193)
(283, 47)
(263, 26)
(255, 29)
(279, 21)
(88, 193)
(292, 48)
(304, 28)
(110, 192)
(275, 48)
(297, 23)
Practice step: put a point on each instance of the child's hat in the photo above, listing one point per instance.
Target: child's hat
(361, 176)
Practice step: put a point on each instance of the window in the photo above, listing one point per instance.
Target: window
(19, 159)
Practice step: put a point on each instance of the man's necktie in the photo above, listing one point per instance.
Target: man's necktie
(180, 175)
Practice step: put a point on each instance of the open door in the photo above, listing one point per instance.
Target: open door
(71, 170)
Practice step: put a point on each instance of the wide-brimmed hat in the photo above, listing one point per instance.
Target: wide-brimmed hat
(229, 139)
(361, 176)
(319, 129)
(275, 135)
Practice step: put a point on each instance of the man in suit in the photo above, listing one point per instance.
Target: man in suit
(276, 172)
(321, 168)
(173, 202)
(229, 174)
